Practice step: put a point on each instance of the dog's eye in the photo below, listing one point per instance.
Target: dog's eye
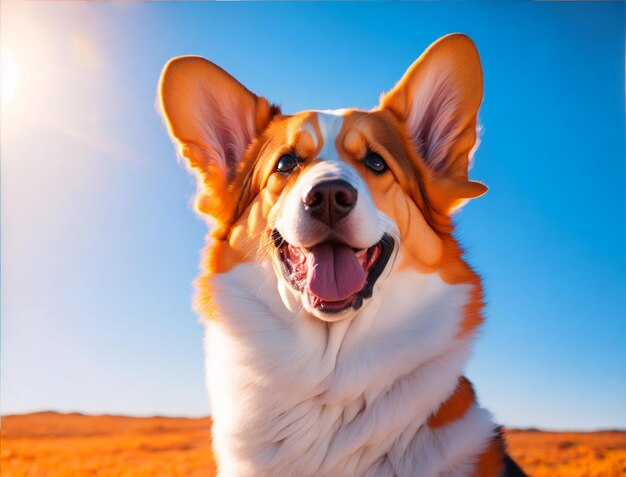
(286, 163)
(375, 163)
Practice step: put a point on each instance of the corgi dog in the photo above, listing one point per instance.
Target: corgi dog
(339, 310)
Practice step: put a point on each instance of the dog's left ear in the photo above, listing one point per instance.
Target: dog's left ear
(437, 100)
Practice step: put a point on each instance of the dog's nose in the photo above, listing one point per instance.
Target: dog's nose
(330, 201)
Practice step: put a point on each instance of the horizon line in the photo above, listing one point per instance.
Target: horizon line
(209, 416)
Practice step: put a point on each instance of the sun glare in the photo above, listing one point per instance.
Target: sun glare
(9, 78)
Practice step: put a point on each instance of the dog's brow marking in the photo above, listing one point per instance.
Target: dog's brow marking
(330, 123)
(334, 112)
(308, 128)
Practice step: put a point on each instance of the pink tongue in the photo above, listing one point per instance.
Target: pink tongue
(335, 272)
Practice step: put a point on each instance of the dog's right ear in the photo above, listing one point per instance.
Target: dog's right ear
(213, 118)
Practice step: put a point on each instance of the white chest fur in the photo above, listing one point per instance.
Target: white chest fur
(295, 396)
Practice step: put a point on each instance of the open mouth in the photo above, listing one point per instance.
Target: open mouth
(334, 275)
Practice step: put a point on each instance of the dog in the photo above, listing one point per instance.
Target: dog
(339, 310)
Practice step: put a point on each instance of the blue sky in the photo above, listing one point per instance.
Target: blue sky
(100, 245)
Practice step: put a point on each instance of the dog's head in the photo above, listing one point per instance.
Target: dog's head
(335, 199)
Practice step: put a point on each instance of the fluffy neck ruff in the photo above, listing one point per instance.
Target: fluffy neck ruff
(295, 396)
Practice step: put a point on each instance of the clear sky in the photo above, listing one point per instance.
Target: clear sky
(100, 245)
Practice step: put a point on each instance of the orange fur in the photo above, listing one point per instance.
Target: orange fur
(455, 406)
(491, 462)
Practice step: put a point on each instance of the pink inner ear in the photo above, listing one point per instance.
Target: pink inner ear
(227, 130)
(231, 151)
(432, 120)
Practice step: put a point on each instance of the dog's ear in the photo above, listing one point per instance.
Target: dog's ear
(437, 100)
(213, 119)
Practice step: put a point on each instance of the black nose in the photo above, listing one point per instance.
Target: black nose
(330, 201)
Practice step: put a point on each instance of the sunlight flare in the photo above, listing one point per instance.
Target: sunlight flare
(9, 78)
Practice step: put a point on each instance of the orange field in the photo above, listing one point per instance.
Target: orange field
(52, 444)
(565, 454)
